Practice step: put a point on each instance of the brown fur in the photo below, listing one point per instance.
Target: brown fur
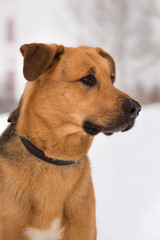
(51, 114)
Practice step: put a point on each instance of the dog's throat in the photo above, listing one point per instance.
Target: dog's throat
(40, 154)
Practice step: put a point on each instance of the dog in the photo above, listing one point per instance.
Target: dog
(46, 190)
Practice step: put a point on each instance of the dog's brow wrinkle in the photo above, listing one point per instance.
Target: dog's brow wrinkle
(63, 72)
(93, 70)
(63, 67)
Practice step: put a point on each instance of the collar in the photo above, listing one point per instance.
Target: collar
(40, 154)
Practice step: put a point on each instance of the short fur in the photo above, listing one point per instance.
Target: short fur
(51, 114)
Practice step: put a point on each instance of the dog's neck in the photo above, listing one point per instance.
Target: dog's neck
(40, 154)
(58, 143)
(68, 148)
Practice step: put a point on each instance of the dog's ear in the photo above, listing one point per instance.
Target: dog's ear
(38, 57)
(108, 57)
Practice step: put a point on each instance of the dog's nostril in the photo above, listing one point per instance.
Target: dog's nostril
(131, 108)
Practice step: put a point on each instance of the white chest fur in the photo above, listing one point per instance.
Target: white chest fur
(53, 233)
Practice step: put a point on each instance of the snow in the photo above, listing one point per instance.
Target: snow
(126, 175)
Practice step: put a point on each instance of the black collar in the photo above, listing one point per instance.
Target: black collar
(40, 154)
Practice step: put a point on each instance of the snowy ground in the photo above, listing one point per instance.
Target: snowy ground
(126, 174)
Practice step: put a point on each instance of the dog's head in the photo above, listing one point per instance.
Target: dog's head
(76, 86)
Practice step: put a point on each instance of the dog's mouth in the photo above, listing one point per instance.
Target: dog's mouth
(123, 128)
(94, 129)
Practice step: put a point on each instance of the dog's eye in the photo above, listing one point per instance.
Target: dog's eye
(89, 80)
(112, 78)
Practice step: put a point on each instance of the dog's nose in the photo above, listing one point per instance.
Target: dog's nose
(131, 108)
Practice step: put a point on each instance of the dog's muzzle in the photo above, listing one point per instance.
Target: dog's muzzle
(130, 110)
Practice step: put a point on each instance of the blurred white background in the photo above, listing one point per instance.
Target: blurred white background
(126, 167)
(128, 30)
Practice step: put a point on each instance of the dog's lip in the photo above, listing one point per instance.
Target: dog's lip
(107, 133)
(127, 128)
(94, 129)
(122, 128)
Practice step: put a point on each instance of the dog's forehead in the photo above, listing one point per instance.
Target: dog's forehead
(83, 59)
(82, 53)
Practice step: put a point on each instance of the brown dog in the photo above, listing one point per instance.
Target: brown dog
(46, 190)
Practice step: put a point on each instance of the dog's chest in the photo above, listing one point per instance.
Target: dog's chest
(53, 233)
